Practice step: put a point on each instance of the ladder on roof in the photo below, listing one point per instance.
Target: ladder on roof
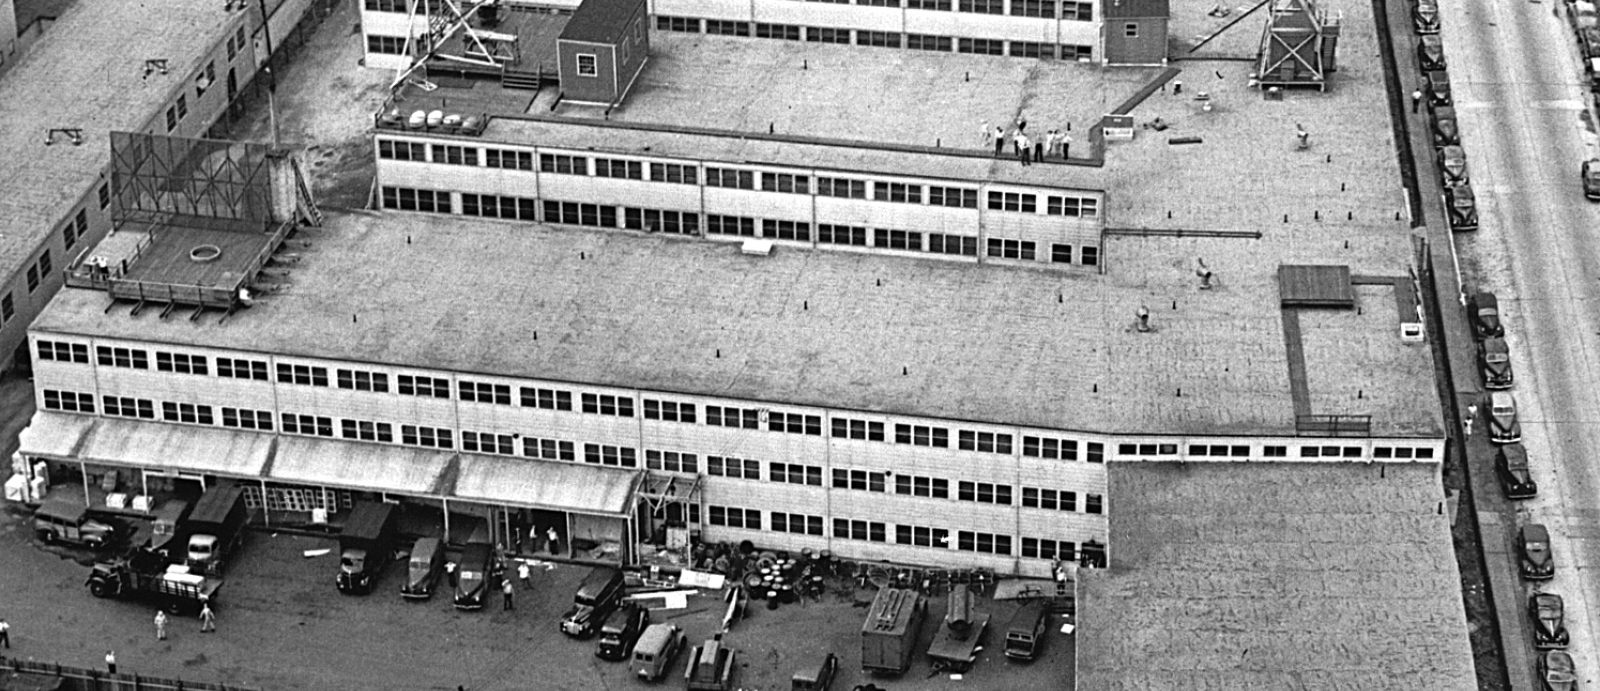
(307, 206)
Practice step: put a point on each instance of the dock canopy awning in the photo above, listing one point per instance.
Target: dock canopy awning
(586, 489)
(177, 448)
(54, 435)
(359, 466)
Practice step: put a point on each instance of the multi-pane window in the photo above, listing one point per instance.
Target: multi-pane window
(727, 28)
(897, 239)
(484, 392)
(104, 196)
(785, 230)
(897, 192)
(366, 430)
(847, 529)
(734, 517)
(920, 486)
(1078, 12)
(498, 206)
(64, 352)
(613, 168)
(922, 435)
(742, 468)
(952, 196)
(580, 214)
(1047, 447)
(70, 401)
(1034, 8)
(841, 187)
(548, 399)
(685, 24)
(719, 224)
(881, 39)
(1013, 201)
(8, 308)
(606, 454)
(841, 235)
(672, 172)
(981, 46)
(787, 32)
(784, 182)
(846, 428)
(1045, 548)
(1155, 449)
(1090, 255)
(795, 473)
(671, 461)
(68, 236)
(795, 423)
(124, 406)
(1093, 503)
(309, 425)
(921, 536)
(1094, 452)
(670, 411)
(607, 404)
(1012, 249)
(928, 5)
(939, 243)
(1032, 49)
(1084, 207)
(982, 6)
(359, 380)
(386, 5)
(1053, 500)
(1060, 253)
(33, 278)
(244, 418)
(560, 163)
(45, 265)
(796, 523)
(863, 480)
(816, 34)
(983, 492)
(181, 363)
(80, 222)
(925, 42)
(239, 368)
(507, 159)
(486, 442)
(1242, 450)
(727, 177)
(1075, 52)
(987, 442)
(548, 449)
(408, 199)
(455, 155)
(122, 357)
(727, 416)
(387, 45)
(426, 387)
(430, 437)
(987, 543)
(656, 220)
(303, 375)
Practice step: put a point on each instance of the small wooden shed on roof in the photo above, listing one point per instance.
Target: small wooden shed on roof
(603, 49)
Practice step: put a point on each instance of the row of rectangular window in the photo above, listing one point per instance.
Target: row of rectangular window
(889, 39)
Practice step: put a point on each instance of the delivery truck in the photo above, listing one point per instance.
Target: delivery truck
(216, 528)
(365, 545)
(148, 575)
(890, 632)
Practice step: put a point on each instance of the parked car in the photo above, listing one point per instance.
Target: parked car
(1494, 363)
(1504, 427)
(1461, 206)
(621, 631)
(1549, 622)
(1483, 309)
(1533, 542)
(1436, 84)
(1511, 464)
(1453, 164)
(1590, 174)
(1425, 17)
(1557, 672)
(68, 522)
(1430, 52)
(656, 649)
(1445, 130)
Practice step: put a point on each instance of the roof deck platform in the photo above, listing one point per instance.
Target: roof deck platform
(1308, 576)
(87, 73)
(820, 328)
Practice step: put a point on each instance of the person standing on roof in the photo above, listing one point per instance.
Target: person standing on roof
(986, 131)
(999, 141)
(1024, 147)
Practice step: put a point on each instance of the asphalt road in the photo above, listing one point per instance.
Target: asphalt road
(1526, 127)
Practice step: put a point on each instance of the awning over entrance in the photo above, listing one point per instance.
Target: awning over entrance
(185, 448)
(556, 486)
(359, 466)
(54, 435)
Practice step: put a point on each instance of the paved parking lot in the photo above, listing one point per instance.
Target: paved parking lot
(282, 625)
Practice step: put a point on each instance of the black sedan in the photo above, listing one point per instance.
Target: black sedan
(1533, 543)
(1557, 672)
(1546, 611)
(1483, 309)
(1494, 363)
(1511, 464)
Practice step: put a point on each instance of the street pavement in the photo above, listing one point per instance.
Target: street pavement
(1526, 127)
